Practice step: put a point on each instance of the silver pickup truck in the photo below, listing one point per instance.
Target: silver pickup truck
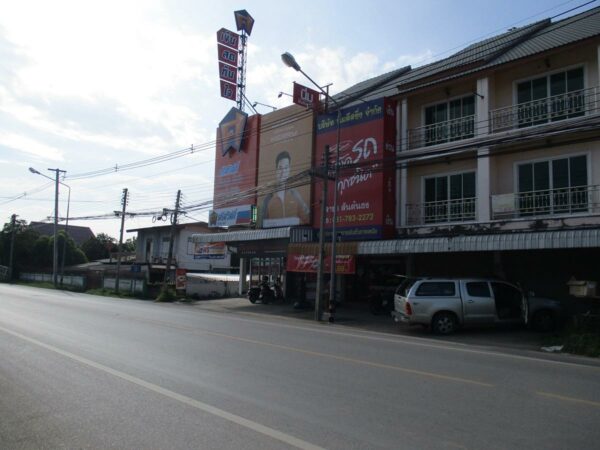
(446, 304)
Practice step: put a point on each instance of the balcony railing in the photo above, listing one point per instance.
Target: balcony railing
(459, 210)
(438, 133)
(549, 109)
(570, 200)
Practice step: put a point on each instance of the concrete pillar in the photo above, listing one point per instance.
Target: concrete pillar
(401, 171)
(483, 185)
(243, 285)
(482, 107)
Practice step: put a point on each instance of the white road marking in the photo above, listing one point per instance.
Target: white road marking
(254, 426)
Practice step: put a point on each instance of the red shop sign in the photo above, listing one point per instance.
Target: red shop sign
(345, 264)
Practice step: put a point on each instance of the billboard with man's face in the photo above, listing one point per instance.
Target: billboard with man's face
(285, 153)
(235, 174)
(366, 200)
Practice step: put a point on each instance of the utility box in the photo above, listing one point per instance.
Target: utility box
(582, 288)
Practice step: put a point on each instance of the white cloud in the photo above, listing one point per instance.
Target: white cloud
(415, 60)
(31, 147)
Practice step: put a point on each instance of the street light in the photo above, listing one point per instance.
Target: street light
(289, 60)
(55, 248)
(263, 104)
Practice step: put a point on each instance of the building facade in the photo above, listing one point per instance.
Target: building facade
(486, 163)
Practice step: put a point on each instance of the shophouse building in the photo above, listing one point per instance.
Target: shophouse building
(486, 163)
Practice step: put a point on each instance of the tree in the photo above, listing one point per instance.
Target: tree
(74, 255)
(130, 245)
(24, 252)
(99, 247)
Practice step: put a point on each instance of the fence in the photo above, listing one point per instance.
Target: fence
(76, 281)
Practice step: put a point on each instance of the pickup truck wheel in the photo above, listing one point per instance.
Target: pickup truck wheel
(444, 323)
(543, 321)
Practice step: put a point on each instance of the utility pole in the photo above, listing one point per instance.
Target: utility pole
(173, 226)
(64, 251)
(13, 221)
(325, 177)
(55, 249)
(124, 201)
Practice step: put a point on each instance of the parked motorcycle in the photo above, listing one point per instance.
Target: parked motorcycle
(265, 293)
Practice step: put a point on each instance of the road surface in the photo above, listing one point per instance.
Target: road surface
(79, 371)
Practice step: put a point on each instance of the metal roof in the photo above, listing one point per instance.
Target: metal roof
(512, 45)
(486, 242)
(244, 235)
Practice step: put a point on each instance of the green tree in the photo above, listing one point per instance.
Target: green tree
(74, 255)
(24, 252)
(130, 244)
(99, 247)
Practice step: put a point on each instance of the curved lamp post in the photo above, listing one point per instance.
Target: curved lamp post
(55, 251)
(289, 60)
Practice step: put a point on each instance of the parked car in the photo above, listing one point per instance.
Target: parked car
(446, 304)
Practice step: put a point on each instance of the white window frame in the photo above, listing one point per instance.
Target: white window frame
(588, 160)
(548, 74)
(447, 101)
(448, 175)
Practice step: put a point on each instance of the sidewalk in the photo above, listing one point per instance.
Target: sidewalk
(358, 317)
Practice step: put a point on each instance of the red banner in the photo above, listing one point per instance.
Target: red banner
(228, 90)
(228, 38)
(180, 279)
(227, 55)
(366, 187)
(345, 264)
(306, 97)
(227, 72)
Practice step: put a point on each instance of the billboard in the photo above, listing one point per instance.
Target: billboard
(228, 38)
(366, 194)
(344, 264)
(285, 154)
(235, 175)
(212, 250)
(306, 97)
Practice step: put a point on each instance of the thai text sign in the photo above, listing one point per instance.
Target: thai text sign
(345, 264)
(228, 90)
(228, 38)
(227, 72)
(213, 250)
(365, 208)
(303, 96)
(227, 55)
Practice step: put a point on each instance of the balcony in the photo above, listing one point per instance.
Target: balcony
(551, 202)
(549, 109)
(441, 132)
(445, 211)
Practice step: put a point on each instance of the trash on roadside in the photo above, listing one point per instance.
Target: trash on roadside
(553, 349)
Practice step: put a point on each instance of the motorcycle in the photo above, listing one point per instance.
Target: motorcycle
(265, 293)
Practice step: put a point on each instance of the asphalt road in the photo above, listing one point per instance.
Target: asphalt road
(79, 371)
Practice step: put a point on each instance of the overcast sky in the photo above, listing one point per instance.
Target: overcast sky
(88, 85)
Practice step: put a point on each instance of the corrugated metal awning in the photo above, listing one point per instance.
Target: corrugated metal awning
(485, 242)
(312, 248)
(244, 235)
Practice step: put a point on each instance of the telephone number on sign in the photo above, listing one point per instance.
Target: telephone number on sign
(353, 218)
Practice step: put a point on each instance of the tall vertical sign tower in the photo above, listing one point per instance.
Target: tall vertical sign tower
(244, 23)
(232, 58)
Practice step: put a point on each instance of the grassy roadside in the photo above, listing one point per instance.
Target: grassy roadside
(581, 336)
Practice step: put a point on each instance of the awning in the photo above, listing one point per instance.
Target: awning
(543, 240)
(243, 235)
